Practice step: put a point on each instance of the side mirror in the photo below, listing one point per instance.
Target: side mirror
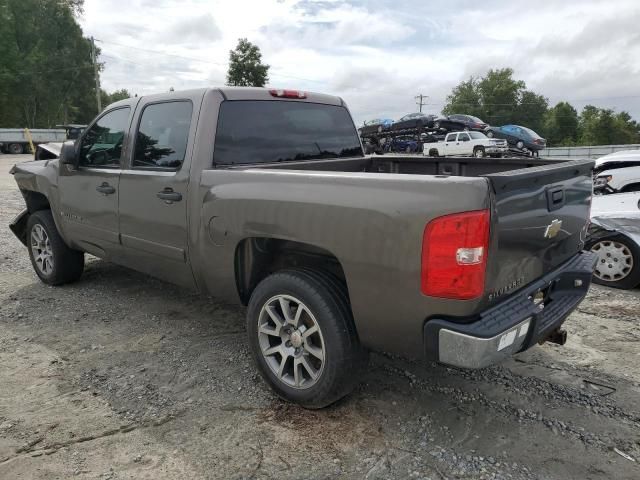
(69, 154)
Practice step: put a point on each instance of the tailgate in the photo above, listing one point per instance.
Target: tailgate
(540, 221)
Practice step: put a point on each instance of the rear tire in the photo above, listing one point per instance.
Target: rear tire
(433, 152)
(15, 148)
(618, 263)
(53, 261)
(489, 134)
(311, 369)
(520, 144)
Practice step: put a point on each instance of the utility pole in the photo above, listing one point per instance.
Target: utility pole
(420, 101)
(95, 73)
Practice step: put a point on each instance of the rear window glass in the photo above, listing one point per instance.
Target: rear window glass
(251, 131)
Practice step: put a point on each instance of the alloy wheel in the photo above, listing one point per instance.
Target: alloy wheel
(291, 341)
(41, 249)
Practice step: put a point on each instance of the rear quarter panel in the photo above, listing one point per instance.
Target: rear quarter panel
(372, 223)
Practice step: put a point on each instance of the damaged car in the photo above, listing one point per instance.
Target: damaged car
(614, 236)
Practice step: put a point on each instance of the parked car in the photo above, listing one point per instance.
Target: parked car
(427, 121)
(377, 125)
(402, 144)
(470, 122)
(522, 138)
(614, 235)
(617, 173)
(414, 121)
(265, 198)
(470, 143)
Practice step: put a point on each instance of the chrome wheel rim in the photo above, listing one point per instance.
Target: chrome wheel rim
(615, 260)
(291, 341)
(479, 153)
(41, 249)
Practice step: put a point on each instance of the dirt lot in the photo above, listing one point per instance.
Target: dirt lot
(121, 376)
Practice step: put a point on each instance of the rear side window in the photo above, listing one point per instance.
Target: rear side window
(254, 131)
(161, 141)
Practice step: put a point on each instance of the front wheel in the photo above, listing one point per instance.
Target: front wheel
(478, 152)
(618, 264)
(303, 338)
(53, 261)
(520, 144)
(489, 134)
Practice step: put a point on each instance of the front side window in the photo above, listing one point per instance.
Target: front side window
(463, 137)
(101, 146)
(451, 137)
(161, 141)
(265, 131)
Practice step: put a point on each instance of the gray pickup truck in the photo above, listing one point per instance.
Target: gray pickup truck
(264, 197)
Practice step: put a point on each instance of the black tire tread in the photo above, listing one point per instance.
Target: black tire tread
(332, 296)
(68, 263)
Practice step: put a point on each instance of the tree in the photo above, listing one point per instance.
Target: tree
(109, 98)
(600, 126)
(498, 99)
(561, 125)
(46, 73)
(245, 66)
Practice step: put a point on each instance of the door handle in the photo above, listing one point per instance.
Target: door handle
(168, 195)
(105, 188)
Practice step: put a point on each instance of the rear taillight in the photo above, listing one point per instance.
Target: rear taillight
(454, 255)
(288, 93)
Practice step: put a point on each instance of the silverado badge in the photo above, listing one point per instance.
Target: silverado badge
(553, 228)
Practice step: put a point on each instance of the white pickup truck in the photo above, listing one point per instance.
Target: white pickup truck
(474, 144)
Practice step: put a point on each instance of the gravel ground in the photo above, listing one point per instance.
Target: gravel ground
(121, 376)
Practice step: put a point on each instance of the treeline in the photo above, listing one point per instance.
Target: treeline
(46, 70)
(499, 99)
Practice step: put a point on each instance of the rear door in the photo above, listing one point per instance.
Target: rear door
(539, 221)
(153, 188)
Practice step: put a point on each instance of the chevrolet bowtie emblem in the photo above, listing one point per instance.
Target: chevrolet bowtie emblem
(553, 228)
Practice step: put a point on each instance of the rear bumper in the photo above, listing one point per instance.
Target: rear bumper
(514, 324)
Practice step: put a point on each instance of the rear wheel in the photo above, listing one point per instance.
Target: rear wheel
(408, 150)
(15, 148)
(436, 125)
(433, 152)
(303, 338)
(53, 261)
(618, 262)
(520, 144)
(489, 134)
(478, 152)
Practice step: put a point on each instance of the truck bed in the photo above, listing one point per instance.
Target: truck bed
(417, 165)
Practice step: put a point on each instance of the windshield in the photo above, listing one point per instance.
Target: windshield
(258, 131)
(477, 135)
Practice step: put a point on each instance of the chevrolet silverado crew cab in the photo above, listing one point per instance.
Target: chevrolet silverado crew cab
(467, 143)
(264, 197)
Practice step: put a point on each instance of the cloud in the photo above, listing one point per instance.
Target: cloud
(377, 54)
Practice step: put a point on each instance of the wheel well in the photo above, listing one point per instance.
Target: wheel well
(256, 258)
(632, 187)
(35, 201)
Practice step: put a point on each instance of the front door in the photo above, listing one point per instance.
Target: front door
(89, 194)
(153, 191)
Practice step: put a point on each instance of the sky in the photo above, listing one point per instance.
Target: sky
(377, 55)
